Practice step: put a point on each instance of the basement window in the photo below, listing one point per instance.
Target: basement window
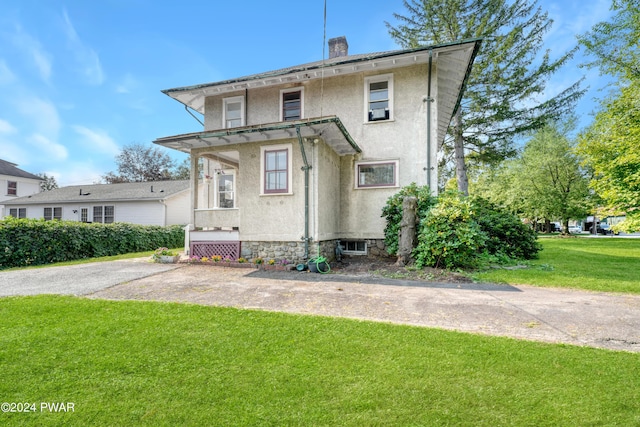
(356, 247)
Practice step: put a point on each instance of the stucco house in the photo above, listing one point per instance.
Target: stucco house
(15, 182)
(295, 159)
(146, 203)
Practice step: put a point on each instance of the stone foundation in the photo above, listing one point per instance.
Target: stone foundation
(293, 252)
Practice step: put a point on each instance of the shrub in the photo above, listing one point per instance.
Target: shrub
(392, 211)
(506, 234)
(35, 242)
(449, 236)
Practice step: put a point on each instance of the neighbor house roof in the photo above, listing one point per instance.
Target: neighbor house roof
(11, 169)
(129, 191)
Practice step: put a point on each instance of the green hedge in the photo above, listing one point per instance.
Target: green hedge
(36, 242)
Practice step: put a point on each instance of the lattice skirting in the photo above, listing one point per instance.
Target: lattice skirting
(210, 248)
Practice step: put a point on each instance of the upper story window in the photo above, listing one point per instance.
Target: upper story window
(378, 93)
(291, 104)
(275, 165)
(377, 174)
(12, 188)
(233, 112)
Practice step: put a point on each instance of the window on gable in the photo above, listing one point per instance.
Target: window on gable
(52, 213)
(18, 212)
(275, 167)
(379, 98)
(233, 112)
(377, 174)
(291, 104)
(12, 188)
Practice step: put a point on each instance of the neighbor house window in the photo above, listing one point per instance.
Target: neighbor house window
(84, 215)
(12, 188)
(291, 104)
(18, 212)
(103, 214)
(52, 213)
(275, 165)
(378, 94)
(233, 112)
(377, 174)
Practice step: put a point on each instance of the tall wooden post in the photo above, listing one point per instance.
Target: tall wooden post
(408, 238)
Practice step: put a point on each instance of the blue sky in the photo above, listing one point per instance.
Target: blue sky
(81, 79)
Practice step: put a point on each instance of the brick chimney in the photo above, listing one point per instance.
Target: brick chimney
(338, 46)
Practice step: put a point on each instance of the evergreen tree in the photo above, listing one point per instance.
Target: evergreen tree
(509, 74)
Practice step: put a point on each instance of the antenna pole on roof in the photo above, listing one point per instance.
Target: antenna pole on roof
(324, 43)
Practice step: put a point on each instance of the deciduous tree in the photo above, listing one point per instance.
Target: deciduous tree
(140, 163)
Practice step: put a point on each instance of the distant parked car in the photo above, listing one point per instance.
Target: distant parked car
(575, 229)
(604, 229)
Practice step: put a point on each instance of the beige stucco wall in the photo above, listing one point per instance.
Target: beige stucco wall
(342, 210)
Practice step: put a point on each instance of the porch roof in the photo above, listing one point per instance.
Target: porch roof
(330, 129)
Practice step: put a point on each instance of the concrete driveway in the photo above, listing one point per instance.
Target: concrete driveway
(77, 279)
(554, 315)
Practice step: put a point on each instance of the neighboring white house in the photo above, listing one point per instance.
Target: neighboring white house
(298, 158)
(14, 183)
(148, 203)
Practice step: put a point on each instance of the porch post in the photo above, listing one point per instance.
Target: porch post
(194, 187)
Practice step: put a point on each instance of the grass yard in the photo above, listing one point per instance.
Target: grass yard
(598, 264)
(147, 363)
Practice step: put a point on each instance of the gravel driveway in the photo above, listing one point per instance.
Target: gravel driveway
(77, 279)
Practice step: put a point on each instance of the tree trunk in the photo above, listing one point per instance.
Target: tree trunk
(461, 167)
(407, 240)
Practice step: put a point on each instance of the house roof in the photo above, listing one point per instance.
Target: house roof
(129, 191)
(11, 169)
(330, 129)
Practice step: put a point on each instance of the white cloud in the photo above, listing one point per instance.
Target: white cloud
(98, 139)
(6, 127)
(127, 84)
(46, 147)
(6, 75)
(87, 59)
(77, 174)
(42, 115)
(32, 48)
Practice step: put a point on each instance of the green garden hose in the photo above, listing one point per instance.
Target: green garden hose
(319, 260)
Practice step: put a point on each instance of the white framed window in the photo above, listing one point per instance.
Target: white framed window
(52, 213)
(233, 112)
(104, 214)
(12, 188)
(18, 212)
(275, 169)
(378, 98)
(225, 190)
(376, 174)
(356, 247)
(84, 215)
(291, 104)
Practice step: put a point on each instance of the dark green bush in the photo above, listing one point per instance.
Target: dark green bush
(449, 236)
(392, 211)
(36, 242)
(458, 232)
(506, 234)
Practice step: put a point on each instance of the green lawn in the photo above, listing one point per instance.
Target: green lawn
(148, 363)
(599, 264)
